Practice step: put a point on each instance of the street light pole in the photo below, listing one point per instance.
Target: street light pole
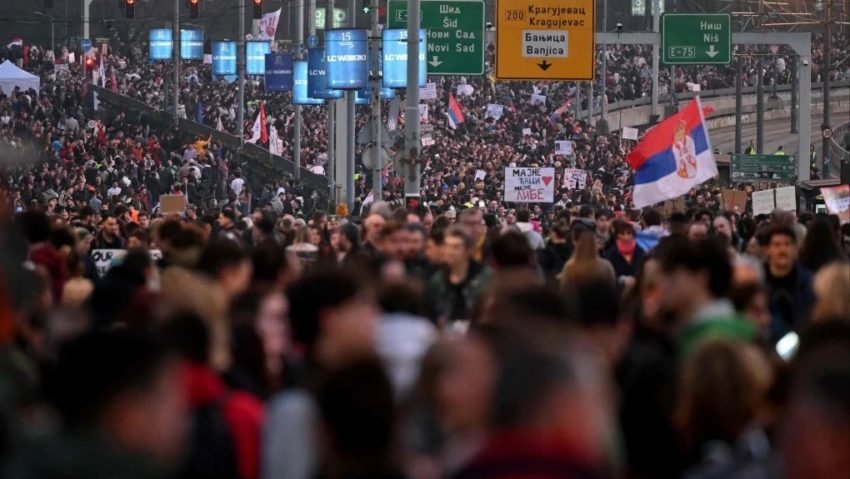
(175, 52)
(299, 42)
(377, 167)
(411, 112)
(827, 110)
(240, 56)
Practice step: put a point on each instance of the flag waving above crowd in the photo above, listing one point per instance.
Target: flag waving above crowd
(673, 157)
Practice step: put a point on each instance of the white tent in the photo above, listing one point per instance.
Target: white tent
(12, 76)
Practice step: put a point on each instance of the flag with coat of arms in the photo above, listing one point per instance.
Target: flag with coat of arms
(455, 112)
(673, 157)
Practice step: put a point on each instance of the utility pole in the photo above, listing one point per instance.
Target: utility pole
(602, 126)
(86, 17)
(827, 109)
(350, 124)
(240, 68)
(175, 52)
(793, 66)
(655, 54)
(299, 49)
(331, 169)
(412, 144)
(739, 80)
(377, 167)
(760, 108)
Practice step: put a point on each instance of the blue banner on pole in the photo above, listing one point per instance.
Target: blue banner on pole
(192, 44)
(278, 72)
(394, 60)
(161, 44)
(299, 85)
(224, 58)
(364, 95)
(317, 86)
(347, 57)
(255, 56)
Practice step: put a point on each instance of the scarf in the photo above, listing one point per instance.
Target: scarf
(627, 249)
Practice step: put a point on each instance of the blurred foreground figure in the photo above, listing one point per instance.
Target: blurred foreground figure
(123, 416)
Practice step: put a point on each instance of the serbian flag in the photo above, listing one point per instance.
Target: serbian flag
(455, 113)
(673, 157)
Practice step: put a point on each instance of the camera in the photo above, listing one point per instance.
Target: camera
(619, 27)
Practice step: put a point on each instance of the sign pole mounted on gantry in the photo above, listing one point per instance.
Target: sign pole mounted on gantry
(545, 39)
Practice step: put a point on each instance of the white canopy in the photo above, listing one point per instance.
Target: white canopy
(11, 76)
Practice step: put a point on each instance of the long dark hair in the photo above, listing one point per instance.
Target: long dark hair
(820, 246)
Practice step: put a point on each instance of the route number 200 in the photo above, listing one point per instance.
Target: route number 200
(514, 15)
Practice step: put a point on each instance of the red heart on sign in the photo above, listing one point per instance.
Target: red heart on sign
(547, 180)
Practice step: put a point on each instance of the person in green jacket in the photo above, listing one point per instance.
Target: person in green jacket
(696, 278)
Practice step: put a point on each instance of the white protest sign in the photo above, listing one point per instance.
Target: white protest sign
(71, 58)
(763, 202)
(575, 179)
(104, 259)
(526, 131)
(837, 200)
(318, 169)
(207, 58)
(465, 90)
(529, 185)
(565, 147)
(423, 113)
(630, 133)
(429, 92)
(427, 140)
(538, 99)
(786, 198)
(480, 175)
(495, 111)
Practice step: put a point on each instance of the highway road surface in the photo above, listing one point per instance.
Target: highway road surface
(776, 133)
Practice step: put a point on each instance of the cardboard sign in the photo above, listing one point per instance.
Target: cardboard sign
(734, 200)
(427, 140)
(668, 207)
(172, 204)
(575, 179)
(423, 113)
(526, 132)
(529, 185)
(630, 133)
(538, 99)
(480, 175)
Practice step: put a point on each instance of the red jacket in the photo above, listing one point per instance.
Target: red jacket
(242, 411)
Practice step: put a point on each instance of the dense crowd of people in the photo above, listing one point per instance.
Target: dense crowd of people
(248, 335)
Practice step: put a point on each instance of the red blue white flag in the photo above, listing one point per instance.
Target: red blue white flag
(455, 113)
(673, 157)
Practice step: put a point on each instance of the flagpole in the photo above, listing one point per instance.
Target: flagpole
(175, 52)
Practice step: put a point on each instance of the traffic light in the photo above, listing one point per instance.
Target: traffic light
(130, 8)
(193, 8)
(258, 9)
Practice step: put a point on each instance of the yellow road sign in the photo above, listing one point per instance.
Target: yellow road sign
(545, 39)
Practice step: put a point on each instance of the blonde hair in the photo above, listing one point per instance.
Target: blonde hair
(832, 282)
(722, 387)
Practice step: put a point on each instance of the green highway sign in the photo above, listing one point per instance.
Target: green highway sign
(770, 168)
(696, 38)
(455, 33)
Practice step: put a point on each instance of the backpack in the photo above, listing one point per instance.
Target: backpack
(212, 450)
